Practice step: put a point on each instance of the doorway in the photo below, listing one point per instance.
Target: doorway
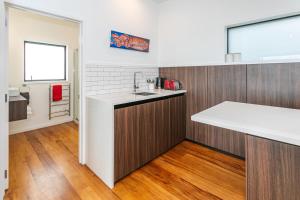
(38, 91)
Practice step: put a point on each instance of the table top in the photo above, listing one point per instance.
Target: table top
(275, 123)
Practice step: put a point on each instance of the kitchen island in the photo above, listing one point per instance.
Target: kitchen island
(127, 130)
(272, 146)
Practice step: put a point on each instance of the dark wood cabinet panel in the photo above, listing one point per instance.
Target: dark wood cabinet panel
(273, 171)
(162, 126)
(17, 110)
(274, 84)
(127, 145)
(177, 120)
(226, 83)
(144, 131)
(194, 80)
(145, 123)
(206, 87)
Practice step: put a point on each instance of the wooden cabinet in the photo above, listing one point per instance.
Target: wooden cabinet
(144, 131)
(194, 80)
(226, 83)
(206, 87)
(273, 171)
(274, 84)
(17, 108)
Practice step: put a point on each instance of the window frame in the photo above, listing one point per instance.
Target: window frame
(254, 23)
(46, 44)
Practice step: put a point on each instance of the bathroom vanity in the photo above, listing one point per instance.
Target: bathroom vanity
(17, 108)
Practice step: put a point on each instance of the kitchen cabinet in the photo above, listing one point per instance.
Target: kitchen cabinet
(144, 131)
(206, 87)
(272, 170)
(194, 81)
(274, 84)
(226, 83)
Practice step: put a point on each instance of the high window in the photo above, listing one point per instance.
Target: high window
(267, 40)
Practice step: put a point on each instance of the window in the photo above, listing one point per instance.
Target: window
(44, 62)
(268, 40)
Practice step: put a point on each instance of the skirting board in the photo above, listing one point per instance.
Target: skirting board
(38, 126)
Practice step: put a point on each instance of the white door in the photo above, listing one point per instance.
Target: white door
(3, 102)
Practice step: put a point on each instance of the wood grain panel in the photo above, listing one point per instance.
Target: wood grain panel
(127, 141)
(206, 87)
(144, 131)
(177, 119)
(226, 83)
(273, 171)
(17, 110)
(274, 84)
(194, 80)
(145, 123)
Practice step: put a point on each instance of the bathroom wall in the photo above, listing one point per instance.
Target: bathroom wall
(32, 27)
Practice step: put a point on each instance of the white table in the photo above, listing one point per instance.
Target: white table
(275, 123)
(272, 137)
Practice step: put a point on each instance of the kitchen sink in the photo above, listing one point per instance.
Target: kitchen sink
(144, 93)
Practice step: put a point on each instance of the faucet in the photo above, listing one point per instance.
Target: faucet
(135, 84)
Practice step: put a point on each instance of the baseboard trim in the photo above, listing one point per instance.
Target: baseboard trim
(39, 126)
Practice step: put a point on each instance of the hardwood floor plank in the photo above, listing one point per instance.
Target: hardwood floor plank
(175, 184)
(216, 175)
(227, 162)
(44, 166)
(53, 180)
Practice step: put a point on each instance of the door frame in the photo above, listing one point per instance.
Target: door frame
(3, 102)
(4, 144)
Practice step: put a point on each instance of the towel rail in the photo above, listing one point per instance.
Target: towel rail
(61, 105)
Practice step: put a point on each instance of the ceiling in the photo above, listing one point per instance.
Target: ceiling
(159, 1)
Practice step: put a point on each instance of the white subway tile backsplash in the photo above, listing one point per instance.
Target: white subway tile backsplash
(112, 79)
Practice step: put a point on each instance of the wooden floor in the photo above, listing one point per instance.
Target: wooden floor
(44, 165)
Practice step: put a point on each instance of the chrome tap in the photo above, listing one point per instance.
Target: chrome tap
(135, 84)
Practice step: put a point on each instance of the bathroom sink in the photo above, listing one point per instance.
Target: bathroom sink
(144, 93)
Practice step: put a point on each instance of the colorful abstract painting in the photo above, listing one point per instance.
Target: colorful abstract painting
(130, 42)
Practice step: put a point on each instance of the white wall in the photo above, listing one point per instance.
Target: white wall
(37, 28)
(192, 32)
(138, 17)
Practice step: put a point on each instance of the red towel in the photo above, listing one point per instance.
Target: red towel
(57, 92)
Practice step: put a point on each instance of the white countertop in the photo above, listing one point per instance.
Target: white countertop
(17, 98)
(280, 124)
(129, 97)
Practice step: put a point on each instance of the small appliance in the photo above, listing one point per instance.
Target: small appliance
(172, 85)
(159, 83)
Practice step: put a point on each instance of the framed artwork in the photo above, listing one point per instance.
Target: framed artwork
(130, 42)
